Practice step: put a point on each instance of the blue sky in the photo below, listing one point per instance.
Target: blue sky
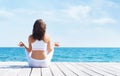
(73, 23)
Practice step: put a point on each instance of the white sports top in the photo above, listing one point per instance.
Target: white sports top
(39, 45)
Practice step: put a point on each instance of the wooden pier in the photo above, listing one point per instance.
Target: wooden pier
(61, 69)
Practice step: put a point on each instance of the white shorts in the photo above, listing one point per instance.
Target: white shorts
(39, 63)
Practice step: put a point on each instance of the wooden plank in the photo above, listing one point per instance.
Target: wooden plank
(3, 71)
(11, 68)
(106, 69)
(113, 70)
(113, 65)
(13, 64)
(36, 72)
(86, 70)
(60, 69)
(55, 70)
(25, 72)
(97, 70)
(46, 72)
(10, 72)
(65, 70)
(75, 70)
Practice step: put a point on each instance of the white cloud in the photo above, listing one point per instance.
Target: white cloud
(112, 4)
(99, 36)
(4, 13)
(78, 12)
(72, 25)
(104, 20)
(105, 3)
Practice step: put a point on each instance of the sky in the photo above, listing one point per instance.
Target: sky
(72, 23)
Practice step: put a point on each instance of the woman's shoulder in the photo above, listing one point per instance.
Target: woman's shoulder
(30, 38)
(46, 38)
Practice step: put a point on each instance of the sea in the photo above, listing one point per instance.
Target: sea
(65, 54)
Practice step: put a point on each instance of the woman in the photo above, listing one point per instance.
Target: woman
(40, 50)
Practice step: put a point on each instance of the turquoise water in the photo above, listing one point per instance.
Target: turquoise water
(66, 54)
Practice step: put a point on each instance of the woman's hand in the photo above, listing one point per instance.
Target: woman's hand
(21, 44)
(56, 44)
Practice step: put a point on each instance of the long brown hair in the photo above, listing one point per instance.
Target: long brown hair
(39, 29)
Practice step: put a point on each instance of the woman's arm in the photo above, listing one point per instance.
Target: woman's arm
(49, 45)
(21, 44)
